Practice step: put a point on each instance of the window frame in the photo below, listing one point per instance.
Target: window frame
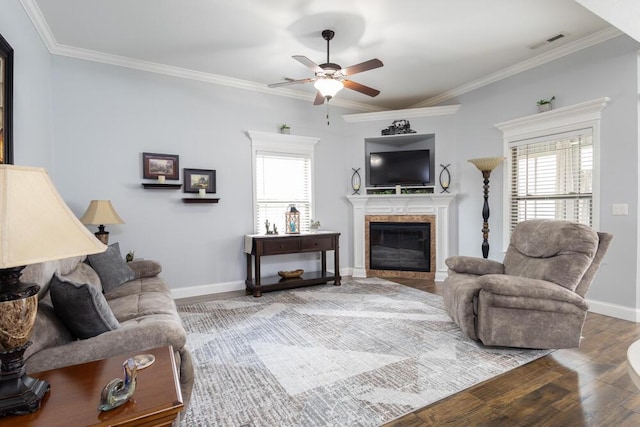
(562, 120)
(282, 144)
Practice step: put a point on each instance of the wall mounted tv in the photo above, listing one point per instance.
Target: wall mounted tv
(391, 168)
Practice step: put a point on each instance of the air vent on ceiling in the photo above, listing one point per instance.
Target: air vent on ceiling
(547, 41)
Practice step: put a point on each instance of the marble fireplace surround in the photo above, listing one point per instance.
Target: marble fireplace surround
(410, 206)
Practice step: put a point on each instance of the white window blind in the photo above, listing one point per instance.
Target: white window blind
(552, 177)
(282, 180)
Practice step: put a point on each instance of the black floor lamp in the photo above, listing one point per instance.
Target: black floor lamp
(486, 165)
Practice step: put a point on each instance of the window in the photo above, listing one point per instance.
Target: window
(551, 177)
(553, 165)
(283, 176)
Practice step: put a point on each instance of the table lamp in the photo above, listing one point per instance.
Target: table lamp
(101, 212)
(486, 165)
(35, 226)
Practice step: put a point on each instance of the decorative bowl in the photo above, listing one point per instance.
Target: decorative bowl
(290, 274)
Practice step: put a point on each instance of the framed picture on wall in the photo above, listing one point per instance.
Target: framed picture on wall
(155, 165)
(195, 179)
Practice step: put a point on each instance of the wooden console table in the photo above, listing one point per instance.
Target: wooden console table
(75, 395)
(258, 246)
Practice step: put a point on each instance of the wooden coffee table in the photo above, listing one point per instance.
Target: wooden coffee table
(75, 395)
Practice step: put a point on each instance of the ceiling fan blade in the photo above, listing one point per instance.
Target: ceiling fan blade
(319, 99)
(308, 63)
(289, 81)
(363, 66)
(350, 84)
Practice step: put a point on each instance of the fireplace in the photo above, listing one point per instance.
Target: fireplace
(431, 208)
(401, 246)
(400, 243)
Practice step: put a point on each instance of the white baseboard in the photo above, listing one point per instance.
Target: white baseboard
(614, 310)
(214, 288)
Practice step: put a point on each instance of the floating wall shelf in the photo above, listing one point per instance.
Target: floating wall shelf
(156, 186)
(199, 200)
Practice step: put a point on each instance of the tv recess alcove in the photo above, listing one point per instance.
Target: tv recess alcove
(400, 209)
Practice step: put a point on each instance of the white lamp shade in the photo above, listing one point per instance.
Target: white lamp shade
(487, 163)
(35, 223)
(100, 212)
(328, 87)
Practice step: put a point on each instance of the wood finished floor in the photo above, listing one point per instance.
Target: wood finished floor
(585, 386)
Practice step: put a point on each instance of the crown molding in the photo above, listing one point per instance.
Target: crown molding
(401, 114)
(552, 55)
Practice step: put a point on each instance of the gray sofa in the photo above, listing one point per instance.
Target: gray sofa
(536, 297)
(140, 314)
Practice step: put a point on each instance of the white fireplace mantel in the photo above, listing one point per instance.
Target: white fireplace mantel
(402, 204)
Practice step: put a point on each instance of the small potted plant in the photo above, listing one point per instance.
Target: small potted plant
(545, 104)
(285, 129)
(314, 226)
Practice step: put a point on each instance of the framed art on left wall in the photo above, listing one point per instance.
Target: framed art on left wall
(155, 165)
(6, 102)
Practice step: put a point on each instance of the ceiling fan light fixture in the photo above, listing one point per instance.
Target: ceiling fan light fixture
(328, 87)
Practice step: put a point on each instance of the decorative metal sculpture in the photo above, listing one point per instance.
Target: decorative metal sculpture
(445, 178)
(398, 127)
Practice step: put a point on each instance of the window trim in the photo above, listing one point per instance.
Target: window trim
(561, 120)
(284, 144)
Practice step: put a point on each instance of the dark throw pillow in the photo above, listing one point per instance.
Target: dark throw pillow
(111, 268)
(82, 308)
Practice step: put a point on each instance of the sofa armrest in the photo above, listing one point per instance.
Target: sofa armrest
(515, 286)
(473, 265)
(133, 336)
(145, 268)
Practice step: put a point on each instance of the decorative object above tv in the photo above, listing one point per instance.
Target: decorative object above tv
(390, 168)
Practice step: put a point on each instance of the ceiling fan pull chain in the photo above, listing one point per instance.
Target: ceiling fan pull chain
(327, 112)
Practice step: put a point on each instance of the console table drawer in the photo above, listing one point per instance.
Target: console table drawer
(280, 246)
(321, 244)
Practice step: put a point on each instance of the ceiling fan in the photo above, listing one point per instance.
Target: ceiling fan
(330, 78)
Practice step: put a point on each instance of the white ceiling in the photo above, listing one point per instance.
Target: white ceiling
(431, 49)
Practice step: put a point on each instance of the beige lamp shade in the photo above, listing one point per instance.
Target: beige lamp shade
(487, 163)
(35, 223)
(100, 212)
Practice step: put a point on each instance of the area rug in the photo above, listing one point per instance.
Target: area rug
(361, 354)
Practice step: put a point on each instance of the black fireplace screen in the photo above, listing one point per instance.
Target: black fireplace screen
(402, 246)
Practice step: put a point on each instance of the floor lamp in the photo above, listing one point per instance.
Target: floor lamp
(36, 226)
(486, 165)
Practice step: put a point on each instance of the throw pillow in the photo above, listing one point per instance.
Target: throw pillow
(111, 268)
(82, 308)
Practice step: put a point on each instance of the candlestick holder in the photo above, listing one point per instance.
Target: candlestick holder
(356, 181)
(445, 178)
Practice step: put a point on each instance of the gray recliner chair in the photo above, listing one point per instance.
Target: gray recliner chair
(536, 297)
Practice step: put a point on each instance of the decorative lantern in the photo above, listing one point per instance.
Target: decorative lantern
(292, 220)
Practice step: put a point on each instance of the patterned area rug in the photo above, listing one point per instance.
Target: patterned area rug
(361, 354)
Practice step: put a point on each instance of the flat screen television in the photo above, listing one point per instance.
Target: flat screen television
(409, 167)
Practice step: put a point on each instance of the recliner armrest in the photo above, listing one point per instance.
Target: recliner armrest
(474, 265)
(515, 286)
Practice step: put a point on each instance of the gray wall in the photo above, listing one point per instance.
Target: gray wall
(106, 116)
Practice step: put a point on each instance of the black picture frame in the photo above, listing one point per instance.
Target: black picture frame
(156, 164)
(195, 179)
(6, 102)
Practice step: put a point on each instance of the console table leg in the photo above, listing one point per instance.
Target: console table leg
(336, 263)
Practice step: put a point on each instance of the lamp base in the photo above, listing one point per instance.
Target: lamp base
(103, 236)
(19, 393)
